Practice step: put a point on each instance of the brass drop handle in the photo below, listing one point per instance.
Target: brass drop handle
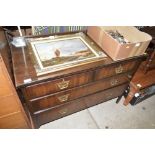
(119, 69)
(63, 111)
(114, 82)
(64, 84)
(63, 98)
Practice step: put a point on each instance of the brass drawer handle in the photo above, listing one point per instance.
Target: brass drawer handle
(119, 69)
(64, 84)
(63, 111)
(63, 98)
(114, 82)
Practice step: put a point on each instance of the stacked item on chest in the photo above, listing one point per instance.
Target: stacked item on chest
(120, 42)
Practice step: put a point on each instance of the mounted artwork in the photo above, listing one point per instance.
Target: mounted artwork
(55, 53)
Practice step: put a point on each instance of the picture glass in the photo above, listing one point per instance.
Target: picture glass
(61, 52)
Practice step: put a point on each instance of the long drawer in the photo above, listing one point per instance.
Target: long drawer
(53, 100)
(114, 69)
(77, 105)
(48, 87)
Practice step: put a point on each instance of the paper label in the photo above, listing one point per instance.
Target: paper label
(27, 80)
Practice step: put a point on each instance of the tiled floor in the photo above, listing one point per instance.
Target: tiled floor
(110, 115)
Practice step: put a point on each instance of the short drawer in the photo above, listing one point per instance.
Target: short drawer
(53, 100)
(53, 86)
(114, 69)
(77, 105)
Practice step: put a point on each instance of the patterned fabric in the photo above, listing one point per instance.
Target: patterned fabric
(40, 30)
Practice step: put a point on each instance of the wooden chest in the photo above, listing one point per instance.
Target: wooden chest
(58, 94)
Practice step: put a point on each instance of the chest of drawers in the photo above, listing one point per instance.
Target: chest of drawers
(58, 94)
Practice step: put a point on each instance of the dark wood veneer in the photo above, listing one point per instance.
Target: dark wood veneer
(52, 100)
(90, 84)
(77, 105)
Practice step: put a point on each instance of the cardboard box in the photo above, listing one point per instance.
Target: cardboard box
(137, 41)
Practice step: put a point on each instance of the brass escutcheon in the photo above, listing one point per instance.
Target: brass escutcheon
(119, 69)
(63, 111)
(114, 82)
(63, 98)
(62, 85)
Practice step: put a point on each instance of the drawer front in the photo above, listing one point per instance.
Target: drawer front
(8, 105)
(65, 96)
(14, 121)
(53, 86)
(77, 105)
(114, 69)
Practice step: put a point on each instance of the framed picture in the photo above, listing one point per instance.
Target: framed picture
(52, 54)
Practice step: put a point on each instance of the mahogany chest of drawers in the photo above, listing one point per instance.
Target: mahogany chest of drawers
(58, 94)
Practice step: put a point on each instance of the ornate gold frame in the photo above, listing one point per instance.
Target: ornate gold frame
(40, 69)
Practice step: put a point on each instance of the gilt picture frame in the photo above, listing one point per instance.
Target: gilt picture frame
(56, 53)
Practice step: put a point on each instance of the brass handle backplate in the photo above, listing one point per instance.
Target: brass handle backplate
(114, 82)
(63, 98)
(119, 69)
(63, 111)
(62, 85)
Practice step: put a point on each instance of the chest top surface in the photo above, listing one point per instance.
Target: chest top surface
(26, 68)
